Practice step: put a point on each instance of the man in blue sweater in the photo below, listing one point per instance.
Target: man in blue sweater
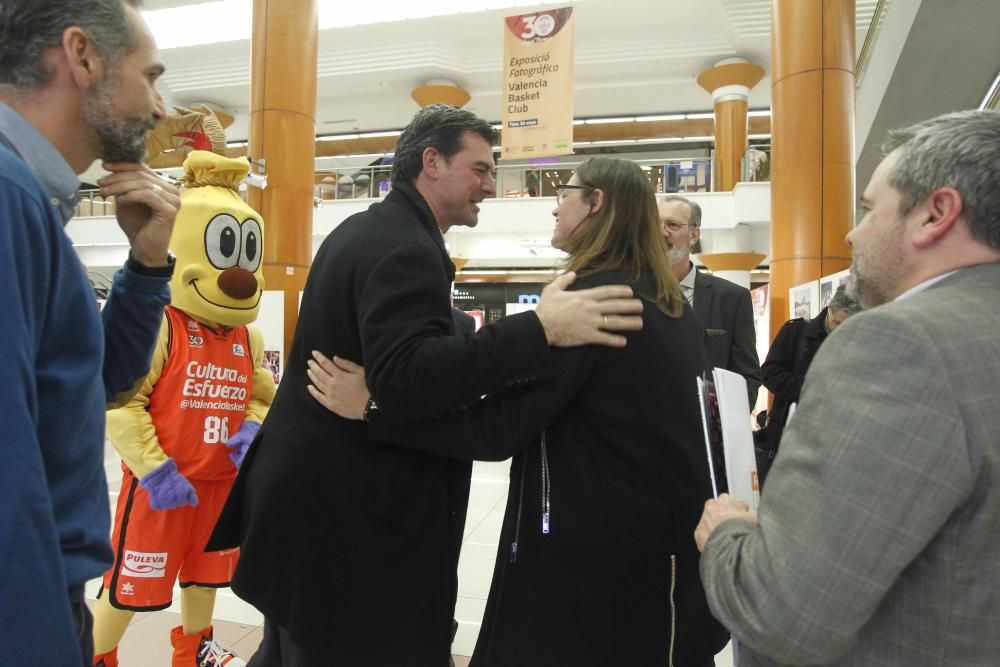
(77, 83)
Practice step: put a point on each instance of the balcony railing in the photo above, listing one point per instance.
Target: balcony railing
(512, 181)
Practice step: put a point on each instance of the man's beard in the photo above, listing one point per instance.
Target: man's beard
(863, 291)
(675, 254)
(122, 139)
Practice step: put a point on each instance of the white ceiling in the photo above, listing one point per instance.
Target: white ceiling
(632, 57)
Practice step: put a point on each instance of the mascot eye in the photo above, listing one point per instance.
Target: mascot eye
(222, 241)
(250, 253)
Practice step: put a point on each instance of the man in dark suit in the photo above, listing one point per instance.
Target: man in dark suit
(722, 307)
(344, 539)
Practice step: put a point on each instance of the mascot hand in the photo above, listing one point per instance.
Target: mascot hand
(167, 488)
(239, 443)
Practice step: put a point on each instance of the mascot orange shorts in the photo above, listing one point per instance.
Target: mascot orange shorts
(155, 548)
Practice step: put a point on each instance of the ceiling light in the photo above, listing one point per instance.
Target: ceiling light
(758, 112)
(706, 138)
(698, 116)
(387, 133)
(612, 142)
(338, 137)
(758, 136)
(602, 121)
(231, 20)
(669, 116)
(657, 140)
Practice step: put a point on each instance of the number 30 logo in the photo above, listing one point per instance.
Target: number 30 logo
(537, 25)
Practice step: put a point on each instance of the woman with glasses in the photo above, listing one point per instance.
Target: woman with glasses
(597, 565)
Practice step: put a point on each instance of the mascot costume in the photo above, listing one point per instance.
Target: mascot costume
(183, 436)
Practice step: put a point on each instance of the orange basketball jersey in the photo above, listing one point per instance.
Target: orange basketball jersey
(201, 397)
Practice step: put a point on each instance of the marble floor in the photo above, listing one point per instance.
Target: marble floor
(239, 626)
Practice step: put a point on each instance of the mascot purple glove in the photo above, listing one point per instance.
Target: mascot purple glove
(167, 488)
(239, 443)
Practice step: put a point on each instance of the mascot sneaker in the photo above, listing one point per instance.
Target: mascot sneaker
(213, 654)
(109, 659)
(201, 650)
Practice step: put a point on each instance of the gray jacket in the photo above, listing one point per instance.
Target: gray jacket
(879, 538)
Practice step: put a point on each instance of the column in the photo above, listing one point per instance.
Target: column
(282, 142)
(812, 136)
(729, 83)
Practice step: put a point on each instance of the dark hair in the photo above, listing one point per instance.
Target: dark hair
(957, 150)
(693, 207)
(28, 28)
(625, 235)
(842, 301)
(437, 126)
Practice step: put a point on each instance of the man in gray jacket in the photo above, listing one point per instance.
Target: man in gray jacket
(879, 532)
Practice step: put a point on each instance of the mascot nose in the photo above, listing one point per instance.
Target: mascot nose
(237, 283)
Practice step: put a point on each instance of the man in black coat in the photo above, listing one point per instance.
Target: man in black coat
(722, 307)
(348, 545)
(787, 361)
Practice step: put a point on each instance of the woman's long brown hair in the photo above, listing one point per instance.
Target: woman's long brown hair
(625, 235)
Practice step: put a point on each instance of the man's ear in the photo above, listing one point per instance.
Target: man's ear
(85, 62)
(432, 160)
(695, 235)
(939, 213)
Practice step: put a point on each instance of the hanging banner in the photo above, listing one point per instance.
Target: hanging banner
(538, 84)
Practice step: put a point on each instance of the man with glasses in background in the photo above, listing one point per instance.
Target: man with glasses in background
(722, 307)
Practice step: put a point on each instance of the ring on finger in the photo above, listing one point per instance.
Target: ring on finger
(605, 321)
(157, 188)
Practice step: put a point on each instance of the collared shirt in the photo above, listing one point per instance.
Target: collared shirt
(46, 163)
(687, 285)
(916, 289)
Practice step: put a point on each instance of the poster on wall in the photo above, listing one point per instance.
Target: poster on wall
(271, 322)
(538, 84)
(803, 300)
(829, 284)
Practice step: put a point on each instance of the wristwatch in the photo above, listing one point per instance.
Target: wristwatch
(136, 266)
(370, 409)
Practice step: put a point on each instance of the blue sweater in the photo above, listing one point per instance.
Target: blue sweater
(55, 381)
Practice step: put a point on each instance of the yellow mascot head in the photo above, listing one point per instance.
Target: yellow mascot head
(218, 240)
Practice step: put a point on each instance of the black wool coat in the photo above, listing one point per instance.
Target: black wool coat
(342, 537)
(597, 563)
(785, 367)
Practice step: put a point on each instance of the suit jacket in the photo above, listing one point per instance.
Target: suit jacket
(342, 537)
(624, 461)
(724, 310)
(879, 538)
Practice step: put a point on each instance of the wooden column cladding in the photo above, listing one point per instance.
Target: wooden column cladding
(812, 137)
(282, 134)
(730, 82)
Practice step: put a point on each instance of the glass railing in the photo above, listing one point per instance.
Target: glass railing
(673, 175)
(516, 181)
(92, 203)
(755, 166)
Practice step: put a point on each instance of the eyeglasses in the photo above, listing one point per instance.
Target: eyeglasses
(563, 187)
(676, 226)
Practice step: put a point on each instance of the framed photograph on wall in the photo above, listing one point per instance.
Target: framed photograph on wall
(829, 284)
(803, 300)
